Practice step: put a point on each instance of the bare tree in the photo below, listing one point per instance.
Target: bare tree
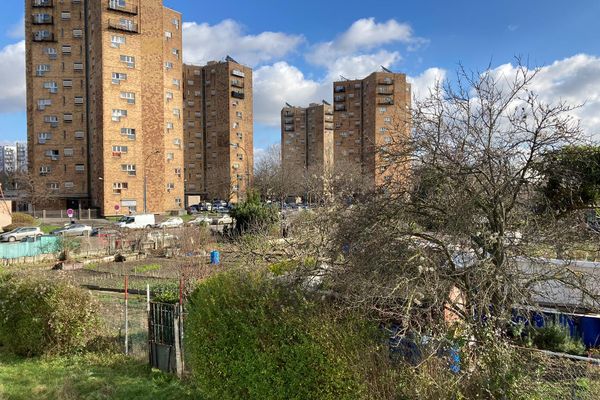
(33, 189)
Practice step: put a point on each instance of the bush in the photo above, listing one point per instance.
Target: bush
(166, 293)
(249, 338)
(40, 317)
(253, 215)
(23, 219)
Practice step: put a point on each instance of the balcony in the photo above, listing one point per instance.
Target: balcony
(340, 107)
(38, 37)
(385, 101)
(42, 3)
(340, 98)
(127, 9)
(385, 90)
(385, 81)
(237, 83)
(131, 27)
(237, 94)
(340, 89)
(42, 19)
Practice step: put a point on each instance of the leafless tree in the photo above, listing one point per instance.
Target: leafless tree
(33, 189)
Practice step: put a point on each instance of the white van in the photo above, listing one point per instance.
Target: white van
(141, 221)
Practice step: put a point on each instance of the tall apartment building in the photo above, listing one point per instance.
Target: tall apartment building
(370, 114)
(218, 130)
(21, 156)
(104, 103)
(307, 138)
(8, 159)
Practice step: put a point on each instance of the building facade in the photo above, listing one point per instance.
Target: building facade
(218, 130)
(307, 138)
(8, 159)
(104, 102)
(370, 116)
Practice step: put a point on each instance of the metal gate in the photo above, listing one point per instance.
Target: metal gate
(164, 337)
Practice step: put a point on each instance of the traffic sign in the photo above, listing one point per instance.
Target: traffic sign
(117, 207)
(70, 213)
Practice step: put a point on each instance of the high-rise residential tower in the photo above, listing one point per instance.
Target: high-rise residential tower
(104, 103)
(218, 130)
(307, 138)
(370, 114)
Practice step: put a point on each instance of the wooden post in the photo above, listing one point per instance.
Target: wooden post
(178, 363)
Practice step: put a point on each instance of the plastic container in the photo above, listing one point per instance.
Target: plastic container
(215, 257)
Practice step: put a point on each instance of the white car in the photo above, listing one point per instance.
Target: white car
(173, 222)
(142, 221)
(224, 219)
(203, 219)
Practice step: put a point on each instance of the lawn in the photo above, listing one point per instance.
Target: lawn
(88, 376)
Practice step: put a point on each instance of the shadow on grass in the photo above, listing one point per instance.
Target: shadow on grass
(86, 376)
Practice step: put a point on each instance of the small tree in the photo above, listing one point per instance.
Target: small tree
(253, 215)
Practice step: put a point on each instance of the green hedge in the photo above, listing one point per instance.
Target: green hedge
(248, 338)
(41, 316)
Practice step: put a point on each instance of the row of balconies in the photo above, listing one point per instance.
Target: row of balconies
(124, 25)
(115, 5)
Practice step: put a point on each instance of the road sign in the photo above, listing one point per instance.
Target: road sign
(70, 213)
(117, 207)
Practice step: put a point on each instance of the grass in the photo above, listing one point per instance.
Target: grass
(87, 376)
(146, 268)
(48, 228)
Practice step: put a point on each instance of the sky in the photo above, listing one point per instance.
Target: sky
(298, 48)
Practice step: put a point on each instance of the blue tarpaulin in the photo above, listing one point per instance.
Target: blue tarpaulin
(42, 245)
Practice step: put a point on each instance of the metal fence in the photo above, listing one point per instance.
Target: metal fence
(83, 214)
(41, 246)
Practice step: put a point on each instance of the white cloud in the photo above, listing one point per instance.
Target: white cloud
(574, 80)
(422, 84)
(204, 42)
(360, 66)
(12, 78)
(276, 84)
(363, 35)
(17, 31)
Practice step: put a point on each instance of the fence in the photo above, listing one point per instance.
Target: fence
(42, 245)
(84, 214)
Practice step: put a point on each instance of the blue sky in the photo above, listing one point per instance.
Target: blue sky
(298, 48)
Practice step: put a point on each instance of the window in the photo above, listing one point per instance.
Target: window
(169, 125)
(68, 152)
(168, 35)
(41, 69)
(175, 53)
(116, 41)
(387, 120)
(239, 114)
(68, 117)
(43, 137)
(118, 187)
(78, 66)
(387, 139)
(236, 125)
(53, 186)
(79, 135)
(168, 65)
(127, 24)
(178, 201)
(128, 60)
(118, 150)
(79, 168)
(51, 52)
(65, 15)
(77, 33)
(238, 73)
(383, 129)
(118, 114)
(129, 96)
(175, 22)
(178, 172)
(117, 77)
(68, 83)
(118, 4)
(66, 49)
(44, 170)
(240, 157)
(170, 186)
(176, 83)
(197, 93)
(176, 112)
(169, 96)
(170, 156)
(240, 135)
(382, 110)
(69, 185)
(43, 103)
(78, 100)
(129, 168)
(177, 142)
(129, 132)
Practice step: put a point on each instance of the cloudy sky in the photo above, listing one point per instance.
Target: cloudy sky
(298, 48)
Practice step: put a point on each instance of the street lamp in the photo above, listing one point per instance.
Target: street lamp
(238, 146)
(154, 153)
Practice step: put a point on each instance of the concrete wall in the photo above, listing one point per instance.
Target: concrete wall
(5, 213)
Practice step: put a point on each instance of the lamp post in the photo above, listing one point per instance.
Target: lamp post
(238, 146)
(146, 180)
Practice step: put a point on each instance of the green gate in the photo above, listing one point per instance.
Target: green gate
(164, 337)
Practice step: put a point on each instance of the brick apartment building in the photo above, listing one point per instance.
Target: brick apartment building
(218, 131)
(370, 114)
(307, 138)
(104, 103)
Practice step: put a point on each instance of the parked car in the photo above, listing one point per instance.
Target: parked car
(224, 219)
(203, 219)
(74, 230)
(141, 221)
(205, 207)
(193, 209)
(20, 234)
(173, 222)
